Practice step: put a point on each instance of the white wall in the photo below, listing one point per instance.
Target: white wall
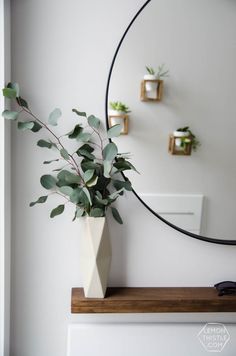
(61, 53)
(2, 215)
(5, 184)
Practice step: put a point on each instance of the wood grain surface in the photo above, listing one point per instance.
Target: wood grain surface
(153, 300)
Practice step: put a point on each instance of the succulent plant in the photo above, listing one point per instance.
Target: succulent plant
(119, 106)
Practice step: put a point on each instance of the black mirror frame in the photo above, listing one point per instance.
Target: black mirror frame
(195, 236)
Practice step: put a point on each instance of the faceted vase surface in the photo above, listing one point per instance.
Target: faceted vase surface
(95, 257)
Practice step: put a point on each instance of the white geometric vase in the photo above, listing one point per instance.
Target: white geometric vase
(95, 257)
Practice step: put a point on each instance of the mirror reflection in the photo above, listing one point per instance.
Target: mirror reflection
(196, 41)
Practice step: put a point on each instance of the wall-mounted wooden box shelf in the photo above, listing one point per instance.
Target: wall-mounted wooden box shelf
(174, 149)
(122, 120)
(154, 95)
(154, 300)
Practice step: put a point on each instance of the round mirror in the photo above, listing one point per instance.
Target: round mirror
(195, 40)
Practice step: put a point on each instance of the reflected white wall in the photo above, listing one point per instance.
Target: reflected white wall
(196, 41)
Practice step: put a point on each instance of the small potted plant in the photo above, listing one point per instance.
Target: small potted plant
(183, 137)
(118, 115)
(88, 178)
(154, 76)
(118, 108)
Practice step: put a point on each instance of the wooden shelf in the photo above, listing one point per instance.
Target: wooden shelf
(154, 300)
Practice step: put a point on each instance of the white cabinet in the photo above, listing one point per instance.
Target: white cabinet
(141, 339)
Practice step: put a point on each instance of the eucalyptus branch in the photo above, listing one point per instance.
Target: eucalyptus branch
(73, 163)
(88, 184)
(28, 111)
(62, 195)
(95, 144)
(100, 138)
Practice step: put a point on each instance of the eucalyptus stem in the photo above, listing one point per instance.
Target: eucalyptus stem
(73, 163)
(95, 144)
(100, 138)
(62, 195)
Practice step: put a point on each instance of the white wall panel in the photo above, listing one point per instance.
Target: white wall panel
(182, 210)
